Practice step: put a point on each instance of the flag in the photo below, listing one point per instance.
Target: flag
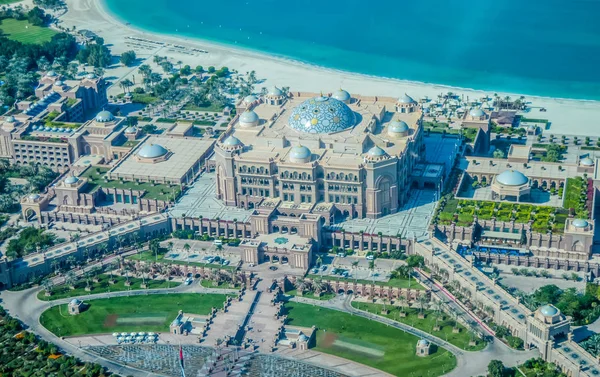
(181, 361)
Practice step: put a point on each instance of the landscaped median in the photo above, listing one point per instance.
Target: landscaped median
(102, 286)
(369, 342)
(394, 282)
(129, 314)
(449, 330)
(148, 256)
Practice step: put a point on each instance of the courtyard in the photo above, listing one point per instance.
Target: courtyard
(200, 201)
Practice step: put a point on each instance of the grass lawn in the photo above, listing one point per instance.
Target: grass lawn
(102, 286)
(222, 285)
(126, 314)
(95, 176)
(23, 31)
(324, 296)
(368, 342)
(212, 108)
(575, 194)
(148, 256)
(446, 323)
(398, 283)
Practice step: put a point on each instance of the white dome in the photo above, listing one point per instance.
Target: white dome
(580, 223)
(249, 118)
(10, 119)
(300, 154)
(512, 178)
(250, 99)
(548, 310)
(423, 342)
(274, 91)
(232, 141)
(75, 302)
(130, 130)
(586, 162)
(398, 127)
(51, 74)
(104, 116)
(34, 196)
(152, 151)
(406, 99)
(342, 95)
(476, 113)
(376, 152)
(71, 180)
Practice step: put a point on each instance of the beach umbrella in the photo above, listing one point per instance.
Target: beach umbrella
(151, 334)
(133, 334)
(115, 334)
(141, 333)
(123, 334)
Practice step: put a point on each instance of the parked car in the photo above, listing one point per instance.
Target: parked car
(370, 257)
(188, 281)
(273, 268)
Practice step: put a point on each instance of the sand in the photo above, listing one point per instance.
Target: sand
(571, 117)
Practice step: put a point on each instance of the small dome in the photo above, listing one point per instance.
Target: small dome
(130, 130)
(71, 180)
(376, 152)
(152, 151)
(249, 117)
(34, 196)
(274, 91)
(35, 128)
(54, 129)
(406, 99)
(90, 76)
(232, 141)
(104, 116)
(128, 95)
(579, 223)
(59, 83)
(51, 74)
(75, 301)
(586, 162)
(477, 113)
(342, 95)
(303, 338)
(250, 99)
(512, 178)
(10, 119)
(398, 127)
(548, 310)
(423, 343)
(300, 153)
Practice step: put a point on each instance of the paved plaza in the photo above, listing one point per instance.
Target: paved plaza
(200, 200)
(411, 221)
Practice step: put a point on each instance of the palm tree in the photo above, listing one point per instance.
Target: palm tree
(48, 285)
(402, 300)
(302, 286)
(422, 300)
(438, 312)
(71, 261)
(55, 265)
(70, 279)
(319, 287)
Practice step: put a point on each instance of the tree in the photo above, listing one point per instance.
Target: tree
(95, 55)
(48, 285)
(499, 153)
(128, 58)
(415, 261)
(495, 368)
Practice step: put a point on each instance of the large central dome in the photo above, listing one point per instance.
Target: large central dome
(322, 115)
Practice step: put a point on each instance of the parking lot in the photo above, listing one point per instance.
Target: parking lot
(356, 268)
(202, 252)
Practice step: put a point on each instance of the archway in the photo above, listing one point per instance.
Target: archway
(340, 291)
(284, 229)
(274, 259)
(577, 246)
(30, 215)
(66, 200)
(293, 230)
(250, 205)
(275, 229)
(267, 258)
(284, 260)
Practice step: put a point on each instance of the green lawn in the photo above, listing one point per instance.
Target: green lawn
(102, 286)
(385, 348)
(446, 323)
(23, 31)
(324, 296)
(95, 176)
(398, 283)
(222, 285)
(126, 314)
(575, 196)
(148, 256)
(212, 108)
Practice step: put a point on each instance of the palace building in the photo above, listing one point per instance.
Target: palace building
(354, 155)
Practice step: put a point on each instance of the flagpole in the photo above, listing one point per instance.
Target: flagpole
(181, 361)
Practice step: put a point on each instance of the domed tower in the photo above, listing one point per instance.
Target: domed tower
(381, 183)
(342, 95)
(406, 104)
(300, 154)
(275, 96)
(398, 129)
(225, 151)
(249, 119)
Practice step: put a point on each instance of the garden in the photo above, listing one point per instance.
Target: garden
(96, 178)
(435, 322)
(578, 197)
(368, 342)
(463, 212)
(135, 313)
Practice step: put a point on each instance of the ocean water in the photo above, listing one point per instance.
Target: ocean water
(534, 47)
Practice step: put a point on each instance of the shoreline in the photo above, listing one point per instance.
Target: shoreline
(567, 116)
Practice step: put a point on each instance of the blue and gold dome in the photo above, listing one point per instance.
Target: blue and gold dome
(322, 115)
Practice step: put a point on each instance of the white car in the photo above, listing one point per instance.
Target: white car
(189, 281)
(370, 257)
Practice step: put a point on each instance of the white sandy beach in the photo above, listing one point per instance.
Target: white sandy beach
(571, 117)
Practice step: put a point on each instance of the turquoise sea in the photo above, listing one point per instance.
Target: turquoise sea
(534, 47)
